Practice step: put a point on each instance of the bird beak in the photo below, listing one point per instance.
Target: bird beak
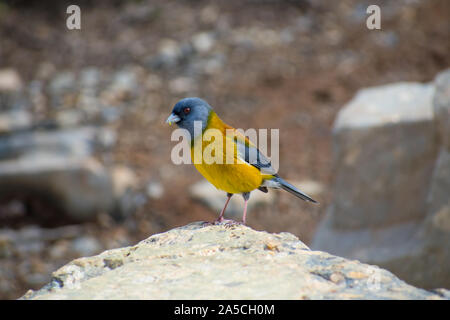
(173, 118)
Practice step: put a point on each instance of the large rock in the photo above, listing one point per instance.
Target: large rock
(441, 103)
(223, 262)
(10, 80)
(77, 187)
(58, 167)
(391, 196)
(15, 120)
(49, 154)
(384, 152)
(14, 113)
(79, 142)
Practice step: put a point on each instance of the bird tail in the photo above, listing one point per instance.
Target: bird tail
(278, 182)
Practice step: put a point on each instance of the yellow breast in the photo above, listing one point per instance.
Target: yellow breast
(232, 178)
(215, 157)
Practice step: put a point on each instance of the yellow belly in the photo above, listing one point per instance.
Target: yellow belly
(235, 177)
(231, 178)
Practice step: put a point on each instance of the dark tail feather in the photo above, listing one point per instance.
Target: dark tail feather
(291, 189)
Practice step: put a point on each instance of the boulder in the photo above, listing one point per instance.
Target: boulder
(391, 190)
(14, 106)
(10, 80)
(74, 186)
(223, 262)
(384, 152)
(15, 120)
(125, 186)
(58, 167)
(79, 142)
(441, 104)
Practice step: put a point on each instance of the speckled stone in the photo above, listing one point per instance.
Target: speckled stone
(223, 262)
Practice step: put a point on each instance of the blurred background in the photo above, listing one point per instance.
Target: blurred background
(85, 153)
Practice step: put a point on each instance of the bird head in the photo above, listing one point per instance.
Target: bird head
(187, 111)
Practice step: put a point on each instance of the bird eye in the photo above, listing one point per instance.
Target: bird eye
(186, 110)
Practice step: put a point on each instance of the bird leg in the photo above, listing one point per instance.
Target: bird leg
(246, 196)
(245, 212)
(220, 219)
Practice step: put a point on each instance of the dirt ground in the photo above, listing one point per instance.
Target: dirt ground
(289, 65)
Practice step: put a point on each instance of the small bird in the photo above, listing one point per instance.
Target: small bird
(244, 174)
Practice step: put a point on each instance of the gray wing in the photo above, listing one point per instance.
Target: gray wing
(254, 157)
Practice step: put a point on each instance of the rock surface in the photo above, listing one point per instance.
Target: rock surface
(391, 193)
(223, 262)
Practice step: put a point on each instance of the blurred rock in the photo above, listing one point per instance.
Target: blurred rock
(182, 85)
(6, 247)
(255, 37)
(203, 42)
(45, 70)
(435, 258)
(50, 155)
(60, 85)
(391, 197)
(384, 152)
(14, 120)
(10, 80)
(14, 114)
(69, 118)
(220, 262)
(90, 78)
(215, 199)
(13, 101)
(438, 197)
(169, 54)
(29, 254)
(59, 249)
(386, 39)
(209, 65)
(125, 191)
(436, 231)
(22, 242)
(62, 82)
(209, 14)
(155, 190)
(79, 187)
(86, 246)
(441, 105)
(58, 166)
(110, 114)
(125, 80)
(78, 142)
(106, 138)
(439, 194)
(123, 86)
